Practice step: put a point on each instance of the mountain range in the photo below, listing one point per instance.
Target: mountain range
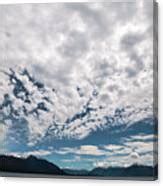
(32, 164)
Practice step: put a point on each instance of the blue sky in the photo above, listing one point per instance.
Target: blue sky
(76, 83)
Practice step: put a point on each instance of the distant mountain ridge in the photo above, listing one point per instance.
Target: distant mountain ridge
(74, 172)
(132, 171)
(32, 164)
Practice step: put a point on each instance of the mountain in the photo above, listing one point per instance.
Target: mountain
(30, 164)
(132, 171)
(74, 172)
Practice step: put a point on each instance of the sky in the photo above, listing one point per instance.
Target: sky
(76, 83)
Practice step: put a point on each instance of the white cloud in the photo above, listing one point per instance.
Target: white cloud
(118, 161)
(105, 150)
(125, 161)
(38, 153)
(3, 131)
(90, 150)
(143, 137)
(113, 147)
(82, 150)
(70, 45)
(141, 147)
(123, 155)
(75, 159)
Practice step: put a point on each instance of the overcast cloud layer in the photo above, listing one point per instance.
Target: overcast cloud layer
(83, 68)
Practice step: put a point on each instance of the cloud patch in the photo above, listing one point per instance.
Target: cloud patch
(82, 150)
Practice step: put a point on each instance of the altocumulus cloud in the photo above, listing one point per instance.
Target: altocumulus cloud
(92, 60)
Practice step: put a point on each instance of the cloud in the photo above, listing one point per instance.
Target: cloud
(32, 102)
(130, 40)
(92, 17)
(118, 161)
(136, 156)
(27, 102)
(129, 151)
(93, 46)
(90, 150)
(75, 159)
(149, 137)
(141, 147)
(38, 153)
(144, 148)
(122, 149)
(3, 134)
(75, 46)
(116, 148)
(82, 150)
